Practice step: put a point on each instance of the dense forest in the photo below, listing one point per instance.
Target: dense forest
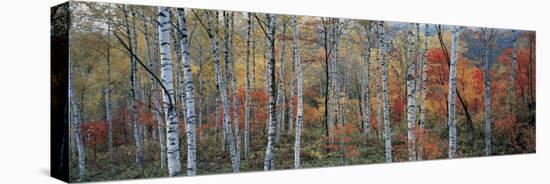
(158, 91)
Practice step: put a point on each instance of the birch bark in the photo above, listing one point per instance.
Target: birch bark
(385, 96)
(299, 80)
(172, 128)
(247, 110)
(222, 88)
(76, 127)
(411, 100)
(132, 42)
(269, 160)
(189, 95)
(452, 92)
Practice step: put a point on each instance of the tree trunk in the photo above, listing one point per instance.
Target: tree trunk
(488, 35)
(172, 128)
(424, 91)
(189, 95)
(411, 100)
(132, 42)
(269, 160)
(452, 92)
(365, 90)
(300, 104)
(108, 105)
(379, 103)
(222, 88)
(385, 95)
(76, 127)
(180, 78)
(418, 75)
(247, 103)
(281, 90)
(424, 78)
(234, 95)
(159, 109)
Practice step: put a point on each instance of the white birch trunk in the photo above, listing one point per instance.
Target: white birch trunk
(411, 100)
(418, 75)
(424, 91)
(300, 104)
(172, 128)
(247, 103)
(281, 90)
(189, 95)
(269, 160)
(76, 121)
(234, 95)
(222, 88)
(159, 112)
(365, 90)
(379, 116)
(385, 95)
(180, 78)
(452, 92)
(108, 105)
(424, 78)
(133, 80)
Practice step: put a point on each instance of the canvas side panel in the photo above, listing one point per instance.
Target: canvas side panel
(59, 62)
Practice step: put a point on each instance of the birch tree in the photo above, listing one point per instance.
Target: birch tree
(247, 103)
(365, 90)
(172, 128)
(234, 95)
(281, 89)
(335, 71)
(424, 91)
(488, 38)
(189, 94)
(424, 78)
(452, 92)
(159, 112)
(418, 74)
(411, 100)
(300, 103)
(379, 103)
(108, 105)
(385, 96)
(270, 33)
(76, 121)
(132, 42)
(222, 89)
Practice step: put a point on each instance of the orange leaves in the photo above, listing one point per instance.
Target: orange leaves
(429, 144)
(397, 108)
(506, 126)
(145, 115)
(312, 116)
(506, 132)
(345, 137)
(94, 132)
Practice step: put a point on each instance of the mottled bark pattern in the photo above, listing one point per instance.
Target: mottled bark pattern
(172, 128)
(452, 92)
(189, 95)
